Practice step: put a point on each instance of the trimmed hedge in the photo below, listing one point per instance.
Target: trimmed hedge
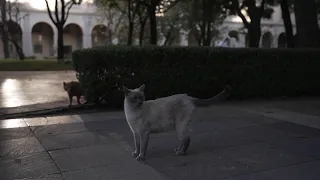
(198, 71)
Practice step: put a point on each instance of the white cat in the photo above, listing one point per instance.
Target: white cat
(161, 115)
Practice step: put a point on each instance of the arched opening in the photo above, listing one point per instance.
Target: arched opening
(99, 35)
(15, 40)
(234, 34)
(42, 39)
(282, 40)
(267, 40)
(72, 38)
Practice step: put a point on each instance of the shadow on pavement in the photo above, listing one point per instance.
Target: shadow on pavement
(224, 143)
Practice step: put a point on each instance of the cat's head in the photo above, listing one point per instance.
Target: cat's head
(66, 85)
(135, 96)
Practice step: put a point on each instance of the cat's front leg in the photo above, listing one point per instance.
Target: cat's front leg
(70, 101)
(144, 140)
(136, 139)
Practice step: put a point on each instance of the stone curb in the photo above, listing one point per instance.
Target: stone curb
(47, 111)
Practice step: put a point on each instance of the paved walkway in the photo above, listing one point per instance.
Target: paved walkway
(32, 90)
(230, 142)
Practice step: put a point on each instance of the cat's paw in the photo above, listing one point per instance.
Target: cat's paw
(140, 158)
(175, 150)
(179, 153)
(134, 154)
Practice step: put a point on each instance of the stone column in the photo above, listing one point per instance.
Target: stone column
(27, 37)
(275, 40)
(87, 40)
(55, 39)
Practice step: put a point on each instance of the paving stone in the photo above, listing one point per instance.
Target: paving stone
(309, 171)
(204, 166)
(306, 146)
(70, 128)
(12, 123)
(262, 156)
(19, 147)
(221, 139)
(296, 129)
(90, 156)
(63, 141)
(51, 120)
(31, 165)
(56, 176)
(14, 133)
(104, 116)
(160, 146)
(289, 116)
(264, 133)
(128, 170)
(231, 123)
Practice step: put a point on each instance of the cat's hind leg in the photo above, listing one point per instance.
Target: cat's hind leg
(185, 143)
(78, 100)
(182, 128)
(183, 136)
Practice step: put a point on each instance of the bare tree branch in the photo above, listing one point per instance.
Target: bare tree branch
(119, 8)
(172, 4)
(63, 11)
(119, 22)
(49, 12)
(9, 10)
(235, 4)
(56, 11)
(69, 6)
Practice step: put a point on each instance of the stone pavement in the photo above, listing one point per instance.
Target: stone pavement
(22, 91)
(229, 141)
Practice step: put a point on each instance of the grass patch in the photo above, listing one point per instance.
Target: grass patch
(34, 65)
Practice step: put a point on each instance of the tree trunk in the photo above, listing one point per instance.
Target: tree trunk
(254, 32)
(130, 33)
(153, 24)
(287, 23)
(4, 29)
(307, 23)
(19, 50)
(60, 44)
(208, 14)
(141, 32)
(254, 29)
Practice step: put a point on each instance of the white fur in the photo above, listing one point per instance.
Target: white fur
(163, 114)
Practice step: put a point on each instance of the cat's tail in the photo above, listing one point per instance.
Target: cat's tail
(213, 100)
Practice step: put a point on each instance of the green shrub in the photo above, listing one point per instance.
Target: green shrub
(198, 71)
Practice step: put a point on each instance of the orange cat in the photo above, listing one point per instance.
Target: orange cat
(73, 88)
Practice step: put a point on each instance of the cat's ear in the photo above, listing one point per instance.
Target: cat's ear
(64, 83)
(125, 90)
(142, 87)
